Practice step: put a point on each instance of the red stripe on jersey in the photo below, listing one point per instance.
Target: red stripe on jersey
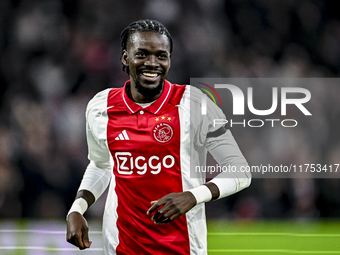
(146, 168)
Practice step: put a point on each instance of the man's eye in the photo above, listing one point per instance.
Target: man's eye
(140, 54)
(163, 56)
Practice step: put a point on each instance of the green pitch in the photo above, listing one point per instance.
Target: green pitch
(224, 237)
(273, 237)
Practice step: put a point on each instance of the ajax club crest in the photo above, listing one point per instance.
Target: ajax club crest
(163, 132)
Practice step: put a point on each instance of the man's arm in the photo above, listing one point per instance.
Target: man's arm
(77, 227)
(177, 204)
(97, 174)
(235, 180)
(93, 185)
(215, 192)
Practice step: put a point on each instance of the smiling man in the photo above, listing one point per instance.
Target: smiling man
(147, 59)
(144, 141)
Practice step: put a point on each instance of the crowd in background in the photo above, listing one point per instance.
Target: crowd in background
(56, 54)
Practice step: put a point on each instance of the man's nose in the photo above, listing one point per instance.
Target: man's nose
(151, 61)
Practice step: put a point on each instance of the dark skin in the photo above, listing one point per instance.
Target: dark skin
(148, 58)
(176, 204)
(77, 227)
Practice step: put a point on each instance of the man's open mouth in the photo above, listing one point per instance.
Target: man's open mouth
(150, 76)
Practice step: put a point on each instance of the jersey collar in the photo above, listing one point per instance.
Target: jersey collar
(155, 107)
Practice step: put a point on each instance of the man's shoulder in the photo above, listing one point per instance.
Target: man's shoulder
(99, 102)
(178, 88)
(98, 98)
(177, 92)
(194, 99)
(187, 93)
(105, 93)
(190, 93)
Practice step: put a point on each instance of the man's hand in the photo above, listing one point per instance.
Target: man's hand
(171, 206)
(78, 231)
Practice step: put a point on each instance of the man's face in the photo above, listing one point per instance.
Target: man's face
(148, 58)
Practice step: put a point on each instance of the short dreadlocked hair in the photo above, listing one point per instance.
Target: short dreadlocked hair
(143, 26)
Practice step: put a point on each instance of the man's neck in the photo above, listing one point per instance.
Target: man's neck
(137, 97)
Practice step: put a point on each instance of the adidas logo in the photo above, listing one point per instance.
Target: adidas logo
(122, 136)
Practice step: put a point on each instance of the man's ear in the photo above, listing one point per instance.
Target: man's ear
(125, 58)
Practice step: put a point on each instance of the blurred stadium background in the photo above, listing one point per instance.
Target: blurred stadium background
(56, 54)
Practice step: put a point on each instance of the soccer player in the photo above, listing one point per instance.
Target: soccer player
(144, 142)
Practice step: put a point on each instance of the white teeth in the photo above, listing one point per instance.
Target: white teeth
(150, 74)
